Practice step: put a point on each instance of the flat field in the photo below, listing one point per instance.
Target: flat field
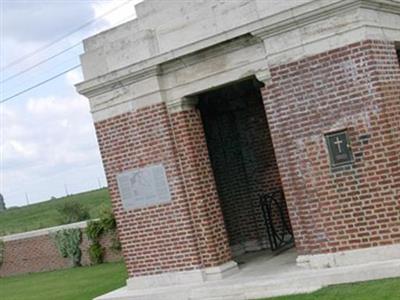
(45, 214)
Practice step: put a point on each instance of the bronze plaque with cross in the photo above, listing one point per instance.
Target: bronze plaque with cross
(339, 148)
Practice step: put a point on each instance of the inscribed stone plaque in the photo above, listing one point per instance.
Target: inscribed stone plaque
(144, 187)
(339, 148)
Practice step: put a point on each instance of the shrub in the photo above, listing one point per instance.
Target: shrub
(94, 231)
(2, 249)
(107, 219)
(71, 212)
(96, 253)
(110, 225)
(67, 242)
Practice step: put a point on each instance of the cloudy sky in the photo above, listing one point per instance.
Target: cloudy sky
(47, 139)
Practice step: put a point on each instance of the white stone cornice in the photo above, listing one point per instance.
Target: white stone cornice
(117, 79)
(301, 17)
(389, 6)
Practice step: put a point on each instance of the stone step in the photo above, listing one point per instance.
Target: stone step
(238, 288)
(302, 282)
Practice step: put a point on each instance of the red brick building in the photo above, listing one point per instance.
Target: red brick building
(202, 108)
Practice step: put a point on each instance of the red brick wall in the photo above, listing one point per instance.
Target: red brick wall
(187, 233)
(39, 253)
(355, 87)
(200, 188)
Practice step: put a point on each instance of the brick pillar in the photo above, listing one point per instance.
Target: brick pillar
(199, 183)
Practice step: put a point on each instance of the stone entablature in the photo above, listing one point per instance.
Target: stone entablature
(119, 80)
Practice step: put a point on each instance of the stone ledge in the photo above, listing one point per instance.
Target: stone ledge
(350, 258)
(40, 232)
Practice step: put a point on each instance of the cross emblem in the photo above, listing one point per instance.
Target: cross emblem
(338, 142)
(339, 149)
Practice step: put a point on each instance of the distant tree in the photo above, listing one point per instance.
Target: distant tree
(2, 203)
(71, 212)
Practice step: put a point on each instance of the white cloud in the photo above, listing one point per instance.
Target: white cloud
(48, 139)
(26, 151)
(44, 138)
(43, 21)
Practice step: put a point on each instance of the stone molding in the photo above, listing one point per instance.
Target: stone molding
(182, 104)
(302, 17)
(124, 79)
(264, 75)
(351, 257)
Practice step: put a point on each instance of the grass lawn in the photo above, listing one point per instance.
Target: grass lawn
(89, 282)
(72, 284)
(44, 214)
(388, 289)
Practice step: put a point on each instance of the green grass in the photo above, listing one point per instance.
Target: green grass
(44, 214)
(89, 282)
(71, 284)
(388, 289)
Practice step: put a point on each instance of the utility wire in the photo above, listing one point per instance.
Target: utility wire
(49, 58)
(40, 63)
(41, 74)
(39, 84)
(17, 61)
(46, 60)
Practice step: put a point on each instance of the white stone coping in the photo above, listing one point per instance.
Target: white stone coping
(43, 231)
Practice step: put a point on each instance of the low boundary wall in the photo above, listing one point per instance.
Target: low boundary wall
(35, 251)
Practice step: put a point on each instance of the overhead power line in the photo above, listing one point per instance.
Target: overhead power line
(39, 84)
(40, 63)
(46, 60)
(23, 58)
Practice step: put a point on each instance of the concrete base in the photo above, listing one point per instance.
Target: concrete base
(217, 273)
(264, 275)
(183, 278)
(349, 258)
